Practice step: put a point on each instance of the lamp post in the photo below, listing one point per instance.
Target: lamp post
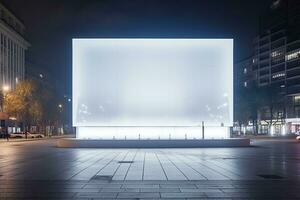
(4, 90)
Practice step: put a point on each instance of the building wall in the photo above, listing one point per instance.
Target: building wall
(12, 49)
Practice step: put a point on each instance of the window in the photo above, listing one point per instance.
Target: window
(278, 75)
(297, 100)
(245, 84)
(254, 60)
(293, 55)
(276, 53)
(245, 70)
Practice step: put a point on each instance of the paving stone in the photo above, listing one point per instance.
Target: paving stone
(160, 190)
(140, 186)
(183, 195)
(121, 190)
(138, 195)
(178, 186)
(200, 190)
(97, 195)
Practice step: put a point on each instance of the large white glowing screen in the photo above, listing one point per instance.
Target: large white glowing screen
(152, 82)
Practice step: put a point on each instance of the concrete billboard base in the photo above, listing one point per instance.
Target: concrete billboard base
(195, 143)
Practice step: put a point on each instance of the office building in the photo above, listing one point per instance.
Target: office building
(12, 51)
(271, 76)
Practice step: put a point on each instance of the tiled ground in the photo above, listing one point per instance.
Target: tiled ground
(39, 170)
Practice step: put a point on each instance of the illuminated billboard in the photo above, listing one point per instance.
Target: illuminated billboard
(158, 84)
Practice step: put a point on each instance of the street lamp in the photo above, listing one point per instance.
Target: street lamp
(4, 90)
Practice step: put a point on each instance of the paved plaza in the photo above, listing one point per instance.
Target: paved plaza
(270, 169)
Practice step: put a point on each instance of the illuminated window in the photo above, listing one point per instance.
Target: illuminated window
(254, 60)
(297, 99)
(278, 75)
(293, 55)
(245, 84)
(245, 70)
(276, 53)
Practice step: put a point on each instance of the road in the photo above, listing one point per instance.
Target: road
(40, 170)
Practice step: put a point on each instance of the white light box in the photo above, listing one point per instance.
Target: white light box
(126, 87)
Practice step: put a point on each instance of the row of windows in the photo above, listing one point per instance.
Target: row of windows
(293, 55)
(278, 76)
(278, 56)
(277, 53)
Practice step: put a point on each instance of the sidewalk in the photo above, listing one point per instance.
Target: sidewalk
(265, 137)
(3, 140)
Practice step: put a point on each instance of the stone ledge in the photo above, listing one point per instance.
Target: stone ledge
(89, 143)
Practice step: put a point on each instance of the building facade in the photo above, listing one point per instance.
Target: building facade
(12, 51)
(270, 78)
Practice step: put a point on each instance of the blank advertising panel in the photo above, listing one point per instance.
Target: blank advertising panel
(152, 82)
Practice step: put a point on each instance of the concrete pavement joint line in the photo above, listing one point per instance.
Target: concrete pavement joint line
(214, 170)
(216, 163)
(108, 162)
(89, 158)
(161, 166)
(176, 167)
(202, 166)
(79, 171)
(205, 166)
(143, 173)
(120, 163)
(135, 155)
(130, 165)
(179, 158)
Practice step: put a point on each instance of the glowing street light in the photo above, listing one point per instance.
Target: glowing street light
(5, 88)
(13, 118)
(60, 105)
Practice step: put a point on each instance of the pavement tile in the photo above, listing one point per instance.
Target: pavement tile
(182, 195)
(200, 190)
(178, 186)
(160, 190)
(120, 190)
(97, 195)
(140, 186)
(138, 195)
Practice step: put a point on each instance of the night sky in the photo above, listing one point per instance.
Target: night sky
(51, 25)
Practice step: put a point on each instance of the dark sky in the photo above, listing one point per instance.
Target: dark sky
(51, 24)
